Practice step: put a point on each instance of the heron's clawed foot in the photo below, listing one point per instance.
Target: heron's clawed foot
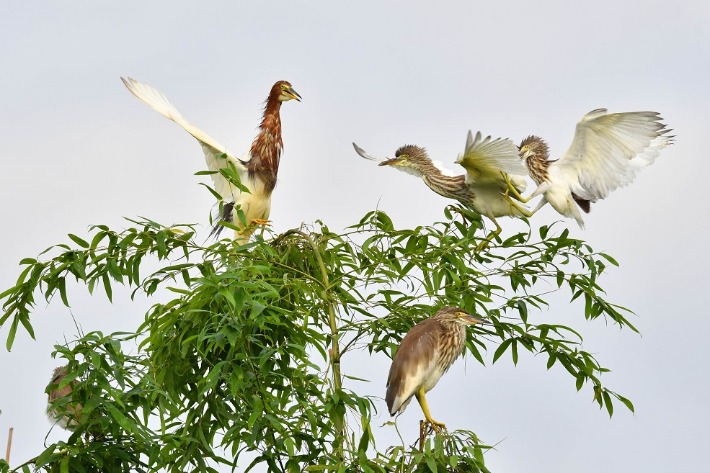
(511, 189)
(261, 221)
(487, 241)
(427, 427)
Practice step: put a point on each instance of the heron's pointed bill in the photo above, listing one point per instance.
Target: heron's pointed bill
(390, 162)
(471, 320)
(292, 93)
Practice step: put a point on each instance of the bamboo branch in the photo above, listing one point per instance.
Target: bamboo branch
(9, 445)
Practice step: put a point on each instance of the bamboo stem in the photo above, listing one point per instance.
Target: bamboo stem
(334, 337)
(9, 445)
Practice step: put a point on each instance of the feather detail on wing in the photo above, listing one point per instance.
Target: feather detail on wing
(485, 158)
(216, 155)
(608, 150)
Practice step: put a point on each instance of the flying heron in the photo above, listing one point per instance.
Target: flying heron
(607, 152)
(425, 354)
(490, 165)
(257, 169)
(60, 408)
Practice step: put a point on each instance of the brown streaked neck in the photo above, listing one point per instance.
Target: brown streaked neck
(539, 159)
(267, 146)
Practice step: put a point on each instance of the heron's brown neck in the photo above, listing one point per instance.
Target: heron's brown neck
(452, 187)
(538, 162)
(455, 335)
(267, 146)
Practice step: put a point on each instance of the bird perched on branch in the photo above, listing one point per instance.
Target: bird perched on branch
(256, 170)
(607, 152)
(60, 407)
(483, 188)
(425, 354)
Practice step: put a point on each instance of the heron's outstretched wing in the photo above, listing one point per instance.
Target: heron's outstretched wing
(609, 149)
(216, 155)
(485, 158)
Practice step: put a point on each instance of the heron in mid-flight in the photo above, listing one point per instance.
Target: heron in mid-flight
(490, 164)
(607, 152)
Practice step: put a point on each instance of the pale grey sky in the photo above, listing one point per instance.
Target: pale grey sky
(78, 149)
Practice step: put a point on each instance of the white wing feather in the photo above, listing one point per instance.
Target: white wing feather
(485, 158)
(608, 150)
(216, 155)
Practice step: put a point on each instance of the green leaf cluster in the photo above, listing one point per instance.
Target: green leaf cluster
(244, 366)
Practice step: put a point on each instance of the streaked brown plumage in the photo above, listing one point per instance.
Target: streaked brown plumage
(60, 407)
(419, 164)
(483, 188)
(537, 160)
(424, 355)
(268, 145)
(257, 169)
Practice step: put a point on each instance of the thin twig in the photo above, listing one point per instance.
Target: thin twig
(9, 445)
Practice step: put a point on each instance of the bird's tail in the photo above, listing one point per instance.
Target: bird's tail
(227, 216)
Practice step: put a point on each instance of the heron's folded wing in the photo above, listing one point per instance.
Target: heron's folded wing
(608, 150)
(414, 362)
(216, 155)
(485, 158)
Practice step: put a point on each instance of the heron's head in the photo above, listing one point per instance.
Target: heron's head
(60, 406)
(409, 158)
(533, 147)
(458, 316)
(284, 91)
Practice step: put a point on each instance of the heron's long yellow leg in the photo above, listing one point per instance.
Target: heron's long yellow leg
(437, 426)
(260, 221)
(515, 205)
(487, 241)
(511, 189)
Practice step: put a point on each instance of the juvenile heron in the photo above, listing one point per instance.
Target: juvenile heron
(607, 152)
(257, 168)
(425, 354)
(60, 408)
(483, 188)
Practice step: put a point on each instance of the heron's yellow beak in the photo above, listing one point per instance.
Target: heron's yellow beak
(470, 319)
(391, 162)
(292, 94)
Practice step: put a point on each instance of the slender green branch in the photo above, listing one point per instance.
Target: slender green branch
(334, 337)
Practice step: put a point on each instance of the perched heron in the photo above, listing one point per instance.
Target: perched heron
(60, 408)
(607, 152)
(425, 354)
(257, 169)
(484, 187)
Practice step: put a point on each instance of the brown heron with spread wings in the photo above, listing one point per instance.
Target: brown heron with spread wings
(490, 164)
(607, 152)
(257, 168)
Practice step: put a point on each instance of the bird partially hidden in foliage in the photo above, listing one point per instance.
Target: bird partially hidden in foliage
(257, 169)
(607, 152)
(426, 352)
(61, 408)
(490, 165)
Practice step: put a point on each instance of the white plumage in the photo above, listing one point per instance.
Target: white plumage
(607, 152)
(216, 155)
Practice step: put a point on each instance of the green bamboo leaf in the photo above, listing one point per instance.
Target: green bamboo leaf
(79, 241)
